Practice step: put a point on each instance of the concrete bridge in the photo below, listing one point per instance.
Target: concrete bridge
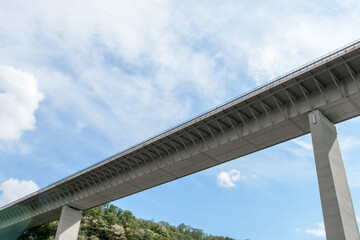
(311, 99)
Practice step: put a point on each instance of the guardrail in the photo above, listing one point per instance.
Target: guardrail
(223, 106)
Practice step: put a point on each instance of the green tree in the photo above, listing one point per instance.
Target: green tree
(108, 222)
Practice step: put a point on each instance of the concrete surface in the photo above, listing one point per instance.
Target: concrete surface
(338, 211)
(69, 224)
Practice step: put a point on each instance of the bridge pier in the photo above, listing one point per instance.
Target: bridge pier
(338, 211)
(69, 224)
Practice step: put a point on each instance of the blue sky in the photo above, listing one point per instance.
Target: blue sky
(83, 80)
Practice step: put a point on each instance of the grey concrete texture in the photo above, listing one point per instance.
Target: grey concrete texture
(69, 224)
(338, 211)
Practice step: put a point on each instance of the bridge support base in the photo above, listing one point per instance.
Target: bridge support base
(69, 224)
(338, 211)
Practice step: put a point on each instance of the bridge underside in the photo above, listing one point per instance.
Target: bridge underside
(271, 115)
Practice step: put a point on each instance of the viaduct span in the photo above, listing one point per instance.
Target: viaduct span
(310, 99)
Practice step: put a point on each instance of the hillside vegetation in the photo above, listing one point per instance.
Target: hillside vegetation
(109, 222)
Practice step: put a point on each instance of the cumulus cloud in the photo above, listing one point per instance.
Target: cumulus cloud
(19, 100)
(228, 179)
(319, 231)
(13, 189)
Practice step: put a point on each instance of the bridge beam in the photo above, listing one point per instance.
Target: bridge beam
(338, 211)
(69, 224)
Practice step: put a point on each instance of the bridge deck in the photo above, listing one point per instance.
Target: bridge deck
(268, 115)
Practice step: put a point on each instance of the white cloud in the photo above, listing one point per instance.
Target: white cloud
(303, 144)
(349, 142)
(114, 63)
(272, 165)
(19, 100)
(13, 189)
(358, 219)
(283, 47)
(228, 179)
(319, 231)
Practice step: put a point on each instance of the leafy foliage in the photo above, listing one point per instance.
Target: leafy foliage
(109, 222)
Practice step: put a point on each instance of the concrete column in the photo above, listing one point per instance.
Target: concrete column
(69, 224)
(338, 211)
